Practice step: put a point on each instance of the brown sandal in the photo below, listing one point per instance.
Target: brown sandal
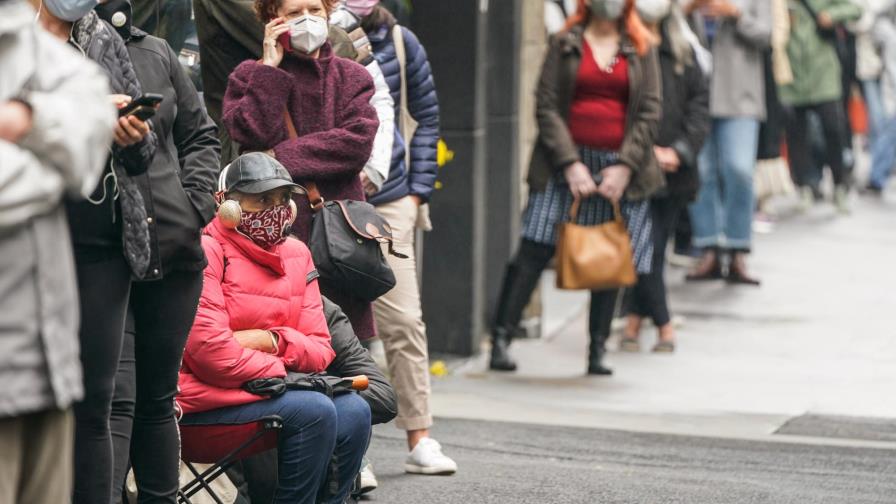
(627, 344)
(664, 347)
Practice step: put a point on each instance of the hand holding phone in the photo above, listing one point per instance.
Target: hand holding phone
(142, 108)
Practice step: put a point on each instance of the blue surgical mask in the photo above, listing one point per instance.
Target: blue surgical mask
(69, 10)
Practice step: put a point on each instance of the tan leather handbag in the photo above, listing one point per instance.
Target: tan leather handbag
(594, 257)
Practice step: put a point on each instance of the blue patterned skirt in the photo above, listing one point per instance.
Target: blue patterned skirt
(547, 209)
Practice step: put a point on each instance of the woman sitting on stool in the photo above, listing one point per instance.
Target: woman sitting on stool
(260, 315)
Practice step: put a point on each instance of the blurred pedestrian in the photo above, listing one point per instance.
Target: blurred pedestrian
(300, 84)
(883, 145)
(737, 32)
(179, 189)
(817, 88)
(869, 64)
(682, 130)
(598, 108)
(772, 177)
(56, 124)
(112, 243)
(402, 201)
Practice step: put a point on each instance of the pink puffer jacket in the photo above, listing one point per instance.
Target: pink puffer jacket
(247, 287)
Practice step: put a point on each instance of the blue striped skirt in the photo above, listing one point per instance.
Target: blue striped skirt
(548, 208)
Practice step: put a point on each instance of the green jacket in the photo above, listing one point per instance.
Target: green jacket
(816, 67)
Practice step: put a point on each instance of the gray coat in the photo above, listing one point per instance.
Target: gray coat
(63, 154)
(737, 85)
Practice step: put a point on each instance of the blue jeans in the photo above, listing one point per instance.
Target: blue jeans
(315, 431)
(883, 153)
(723, 213)
(874, 104)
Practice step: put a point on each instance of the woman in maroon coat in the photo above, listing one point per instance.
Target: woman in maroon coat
(327, 99)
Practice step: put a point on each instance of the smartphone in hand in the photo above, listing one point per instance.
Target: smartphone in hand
(142, 108)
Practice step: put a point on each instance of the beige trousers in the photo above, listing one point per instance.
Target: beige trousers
(36, 453)
(399, 322)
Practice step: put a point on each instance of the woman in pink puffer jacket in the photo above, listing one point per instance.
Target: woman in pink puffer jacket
(260, 316)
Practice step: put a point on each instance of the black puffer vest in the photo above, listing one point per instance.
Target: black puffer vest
(98, 227)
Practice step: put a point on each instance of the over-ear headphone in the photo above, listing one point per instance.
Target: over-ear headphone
(295, 210)
(229, 211)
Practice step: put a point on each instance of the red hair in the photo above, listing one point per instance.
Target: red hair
(266, 10)
(630, 23)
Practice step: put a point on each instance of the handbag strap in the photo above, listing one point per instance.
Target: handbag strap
(315, 200)
(824, 32)
(577, 204)
(401, 55)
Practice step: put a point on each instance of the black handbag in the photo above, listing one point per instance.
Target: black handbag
(345, 243)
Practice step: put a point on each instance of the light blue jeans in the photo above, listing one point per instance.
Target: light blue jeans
(874, 104)
(723, 213)
(883, 153)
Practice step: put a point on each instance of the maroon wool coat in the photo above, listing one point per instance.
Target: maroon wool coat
(328, 100)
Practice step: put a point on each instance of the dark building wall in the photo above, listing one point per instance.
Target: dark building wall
(453, 255)
(485, 55)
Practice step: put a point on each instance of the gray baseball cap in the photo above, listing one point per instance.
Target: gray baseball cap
(255, 173)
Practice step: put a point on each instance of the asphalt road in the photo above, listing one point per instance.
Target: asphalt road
(522, 463)
(780, 394)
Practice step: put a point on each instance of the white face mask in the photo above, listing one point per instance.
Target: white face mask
(607, 9)
(653, 11)
(308, 33)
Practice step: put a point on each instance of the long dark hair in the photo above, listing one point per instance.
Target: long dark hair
(378, 17)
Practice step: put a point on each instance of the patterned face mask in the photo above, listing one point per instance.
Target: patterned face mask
(267, 228)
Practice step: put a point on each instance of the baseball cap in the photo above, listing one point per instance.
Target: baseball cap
(255, 173)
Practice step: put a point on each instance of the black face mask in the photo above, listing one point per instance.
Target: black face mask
(118, 13)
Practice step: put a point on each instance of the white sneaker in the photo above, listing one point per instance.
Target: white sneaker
(841, 200)
(368, 480)
(807, 199)
(427, 458)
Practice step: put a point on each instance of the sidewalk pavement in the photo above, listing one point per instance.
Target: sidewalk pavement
(817, 338)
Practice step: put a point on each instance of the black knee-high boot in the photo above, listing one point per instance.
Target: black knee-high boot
(596, 351)
(520, 279)
(603, 303)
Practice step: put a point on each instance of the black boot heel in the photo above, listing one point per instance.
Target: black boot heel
(500, 358)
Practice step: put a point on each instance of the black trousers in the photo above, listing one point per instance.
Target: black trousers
(648, 297)
(104, 284)
(144, 427)
(830, 114)
(523, 274)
